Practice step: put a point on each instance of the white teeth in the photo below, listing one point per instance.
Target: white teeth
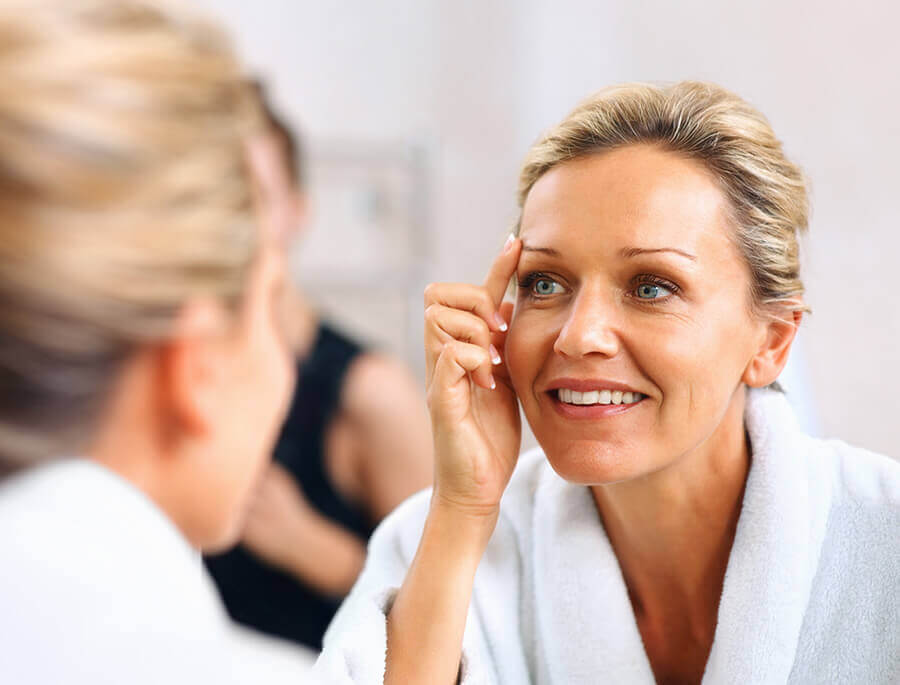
(570, 396)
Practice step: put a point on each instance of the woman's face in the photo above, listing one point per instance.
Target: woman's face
(257, 377)
(632, 326)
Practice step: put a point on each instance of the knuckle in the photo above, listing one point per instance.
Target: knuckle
(430, 293)
(485, 300)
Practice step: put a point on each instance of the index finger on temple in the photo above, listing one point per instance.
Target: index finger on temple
(502, 269)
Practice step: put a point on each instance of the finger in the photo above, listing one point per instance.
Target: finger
(498, 340)
(459, 359)
(466, 297)
(502, 270)
(443, 324)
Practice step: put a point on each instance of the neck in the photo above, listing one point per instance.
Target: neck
(672, 530)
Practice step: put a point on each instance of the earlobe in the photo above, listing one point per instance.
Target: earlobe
(772, 355)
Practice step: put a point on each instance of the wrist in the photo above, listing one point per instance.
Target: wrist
(465, 528)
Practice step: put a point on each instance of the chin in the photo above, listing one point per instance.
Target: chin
(223, 539)
(588, 462)
(222, 526)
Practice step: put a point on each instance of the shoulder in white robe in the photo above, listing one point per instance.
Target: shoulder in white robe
(98, 586)
(811, 591)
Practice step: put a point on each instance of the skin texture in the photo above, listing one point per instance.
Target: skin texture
(668, 473)
(378, 446)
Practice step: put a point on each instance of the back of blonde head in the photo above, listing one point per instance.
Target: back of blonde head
(766, 191)
(123, 193)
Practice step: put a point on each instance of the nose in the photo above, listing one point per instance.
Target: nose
(589, 328)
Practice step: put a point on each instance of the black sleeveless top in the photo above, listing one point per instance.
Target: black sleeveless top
(261, 596)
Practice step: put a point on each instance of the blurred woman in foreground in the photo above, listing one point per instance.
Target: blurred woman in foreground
(355, 444)
(143, 375)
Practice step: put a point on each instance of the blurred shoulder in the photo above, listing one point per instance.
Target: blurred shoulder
(375, 381)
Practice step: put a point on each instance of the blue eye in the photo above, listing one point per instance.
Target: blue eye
(545, 286)
(652, 291)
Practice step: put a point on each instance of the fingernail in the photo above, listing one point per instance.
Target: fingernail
(509, 242)
(495, 355)
(493, 383)
(501, 324)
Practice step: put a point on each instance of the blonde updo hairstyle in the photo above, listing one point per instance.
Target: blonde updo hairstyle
(123, 194)
(766, 192)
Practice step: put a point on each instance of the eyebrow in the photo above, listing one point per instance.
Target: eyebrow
(624, 252)
(543, 250)
(636, 251)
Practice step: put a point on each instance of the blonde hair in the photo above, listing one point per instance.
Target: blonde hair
(123, 193)
(766, 191)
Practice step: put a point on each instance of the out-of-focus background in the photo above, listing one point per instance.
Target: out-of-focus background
(416, 114)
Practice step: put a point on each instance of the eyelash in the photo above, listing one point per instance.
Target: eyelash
(644, 279)
(530, 279)
(527, 281)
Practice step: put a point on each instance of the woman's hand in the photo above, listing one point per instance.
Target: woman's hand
(475, 420)
(474, 412)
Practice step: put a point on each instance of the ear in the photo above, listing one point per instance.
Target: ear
(192, 368)
(769, 360)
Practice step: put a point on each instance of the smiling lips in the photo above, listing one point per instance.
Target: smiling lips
(592, 398)
(569, 396)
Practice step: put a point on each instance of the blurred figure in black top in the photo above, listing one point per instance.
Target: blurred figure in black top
(356, 443)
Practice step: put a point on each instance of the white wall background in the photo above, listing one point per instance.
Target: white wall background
(476, 82)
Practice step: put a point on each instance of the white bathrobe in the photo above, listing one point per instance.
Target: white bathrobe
(811, 592)
(97, 586)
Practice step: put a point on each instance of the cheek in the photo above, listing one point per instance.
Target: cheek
(273, 379)
(696, 363)
(528, 346)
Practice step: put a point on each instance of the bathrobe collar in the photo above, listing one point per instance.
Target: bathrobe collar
(585, 622)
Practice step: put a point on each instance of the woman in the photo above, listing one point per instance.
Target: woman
(675, 524)
(355, 443)
(144, 377)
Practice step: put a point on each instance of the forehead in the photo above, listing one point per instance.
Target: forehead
(638, 195)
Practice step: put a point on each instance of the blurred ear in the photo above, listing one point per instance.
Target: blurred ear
(769, 360)
(193, 368)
